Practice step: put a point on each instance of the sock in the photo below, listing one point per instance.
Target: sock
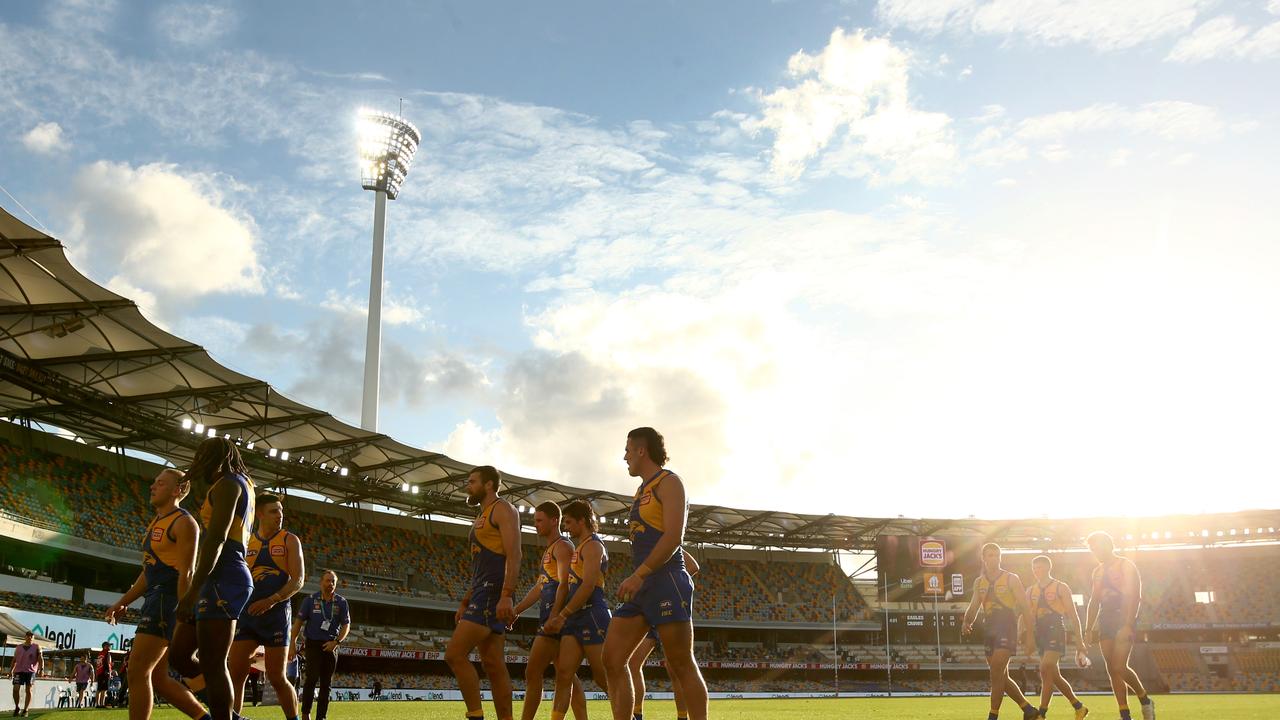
(1124, 714)
(993, 716)
(1044, 711)
(1076, 705)
(1144, 700)
(479, 714)
(637, 716)
(206, 716)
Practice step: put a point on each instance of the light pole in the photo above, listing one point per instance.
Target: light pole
(387, 145)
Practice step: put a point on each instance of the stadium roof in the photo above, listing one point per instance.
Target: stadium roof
(77, 356)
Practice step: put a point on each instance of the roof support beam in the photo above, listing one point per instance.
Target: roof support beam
(65, 308)
(230, 389)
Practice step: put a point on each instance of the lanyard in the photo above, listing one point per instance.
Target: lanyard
(328, 614)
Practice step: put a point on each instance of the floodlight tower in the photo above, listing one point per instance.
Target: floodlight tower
(387, 145)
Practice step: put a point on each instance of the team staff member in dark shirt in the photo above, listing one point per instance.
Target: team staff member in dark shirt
(324, 619)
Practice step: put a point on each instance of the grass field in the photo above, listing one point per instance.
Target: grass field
(1169, 707)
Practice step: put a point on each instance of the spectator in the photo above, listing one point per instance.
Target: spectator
(27, 661)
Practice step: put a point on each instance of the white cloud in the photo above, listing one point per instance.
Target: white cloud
(1104, 24)
(45, 139)
(396, 309)
(854, 98)
(1051, 135)
(187, 23)
(1174, 121)
(80, 16)
(1222, 37)
(170, 233)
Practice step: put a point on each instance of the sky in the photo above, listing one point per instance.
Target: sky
(931, 258)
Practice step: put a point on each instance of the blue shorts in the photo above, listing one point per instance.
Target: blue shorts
(158, 613)
(270, 629)
(482, 608)
(22, 680)
(589, 624)
(1001, 632)
(665, 597)
(223, 600)
(1051, 634)
(1109, 623)
(544, 614)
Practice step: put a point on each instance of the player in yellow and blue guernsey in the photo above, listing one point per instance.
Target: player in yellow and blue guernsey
(642, 653)
(275, 559)
(1112, 616)
(487, 609)
(584, 620)
(1000, 596)
(221, 582)
(168, 554)
(1055, 614)
(659, 593)
(549, 594)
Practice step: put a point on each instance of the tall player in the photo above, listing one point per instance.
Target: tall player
(221, 583)
(584, 620)
(1003, 601)
(1055, 612)
(1112, 615)
(549, 593)
(275, 559)
(168, 554)
(487, 610)
(642, 653)
(659, 593)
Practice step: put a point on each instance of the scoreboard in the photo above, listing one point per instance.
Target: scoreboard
(921, 568)
(917, 628)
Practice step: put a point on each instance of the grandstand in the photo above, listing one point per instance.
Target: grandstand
(83, 377)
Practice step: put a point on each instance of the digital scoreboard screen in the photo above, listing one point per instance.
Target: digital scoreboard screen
(921, 568)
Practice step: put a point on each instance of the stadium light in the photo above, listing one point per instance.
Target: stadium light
(387, 146)
(343, 472)
(199, 428)
(404, 487)
(414, 490)
(272, 452)
(322, 465)
(186, 423)
(249, 446)
(212, 432)
(284, 456)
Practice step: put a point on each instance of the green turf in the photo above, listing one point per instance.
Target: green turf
(1169, 707)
